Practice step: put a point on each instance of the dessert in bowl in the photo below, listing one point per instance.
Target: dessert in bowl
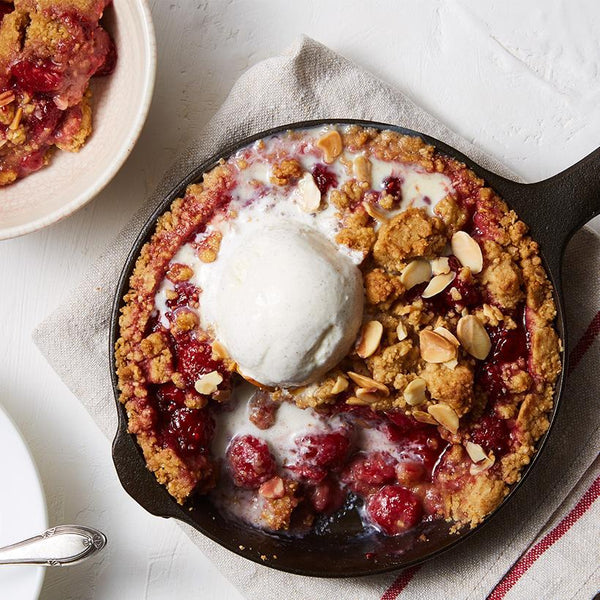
(76, 79)
(339, 319)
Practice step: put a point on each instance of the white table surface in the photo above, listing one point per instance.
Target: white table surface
(520, 79)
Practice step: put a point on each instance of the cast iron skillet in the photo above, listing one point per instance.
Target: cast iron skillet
(554, 209)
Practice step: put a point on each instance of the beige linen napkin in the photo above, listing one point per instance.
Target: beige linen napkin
(306, 82)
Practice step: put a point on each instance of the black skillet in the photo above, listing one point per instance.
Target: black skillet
(554, 209)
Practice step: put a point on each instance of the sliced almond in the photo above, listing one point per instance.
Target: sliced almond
(473, 336)
(440, 265)
(353, 401)
(415, 272)
(208, 384)
(367, 395)
(272, 489)
(307, 195)
(435, 348)
(331, 145)
(438, 284)
(445, 416)
(414, 392)
(451, 364)
(482, 466)
(375, 212)
(367, 382)
(475, 452)
(423, 417)
(370, 337)
(447, 334)
(401, 331)
(362, 168)
(467, 250)
(341, 384)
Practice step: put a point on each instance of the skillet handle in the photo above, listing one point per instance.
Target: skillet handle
(557, 207)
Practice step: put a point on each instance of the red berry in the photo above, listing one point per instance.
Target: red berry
(394, 509)
(40, 75)
(366, 472)
(324, 178)
(492, 434)
(250, 461)
(194, 358)
(170, 397)
(393, 186)
(110, 57)
(190, 431)
(319, 453)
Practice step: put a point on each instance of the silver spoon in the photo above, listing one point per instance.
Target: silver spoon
(58, 546)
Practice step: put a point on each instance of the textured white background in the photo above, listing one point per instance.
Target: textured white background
(520, 79)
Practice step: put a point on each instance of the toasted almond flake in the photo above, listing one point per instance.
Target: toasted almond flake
(445, 416)
(482, 466)
(401, 331)
(438, 284)
(341, 384)
(368, 395)
(219, 351)
(17, 120)
(353, 401)
(208, 384)
(447, 334)
(370, 337)
(367, 382)
(362, 168)
(307, 195)
(414, 392)
(467, 250)
(272, 489)
(451, 364)
(440, 266)
(415, 272)
(375, 212)
(6, 98)
(475, 452)
(435, 348)
(473, 336)
(331, 145)
(424, 417)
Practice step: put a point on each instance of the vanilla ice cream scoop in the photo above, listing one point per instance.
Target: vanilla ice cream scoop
(286, 304)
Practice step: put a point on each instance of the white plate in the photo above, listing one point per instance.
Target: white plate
(22, 510)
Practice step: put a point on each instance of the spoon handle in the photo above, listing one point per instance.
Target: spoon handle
(58, 546)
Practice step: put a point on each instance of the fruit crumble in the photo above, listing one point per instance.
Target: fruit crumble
(49, 50)
(338, 317)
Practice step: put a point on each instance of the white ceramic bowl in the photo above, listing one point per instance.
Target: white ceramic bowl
(120, 105)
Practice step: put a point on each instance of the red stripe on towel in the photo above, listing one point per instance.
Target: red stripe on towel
(529, 558)
(401, 582)
(582, 346)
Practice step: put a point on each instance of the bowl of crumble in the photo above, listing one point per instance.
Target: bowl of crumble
(76, 81)
(338, 346)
